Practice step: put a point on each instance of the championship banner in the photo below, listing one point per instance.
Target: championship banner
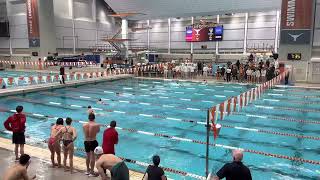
(296, 14)
(33, 23)
(296, 21)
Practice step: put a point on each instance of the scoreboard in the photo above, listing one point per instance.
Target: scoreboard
(294, 56)
(203, 34)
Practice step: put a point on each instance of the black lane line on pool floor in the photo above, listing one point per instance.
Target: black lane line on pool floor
(178, 119)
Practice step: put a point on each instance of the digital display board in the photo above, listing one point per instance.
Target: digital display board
(204, 34)
(294, 56)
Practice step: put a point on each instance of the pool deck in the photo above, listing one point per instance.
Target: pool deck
(199, 79)
(41, 87)
(41, 164)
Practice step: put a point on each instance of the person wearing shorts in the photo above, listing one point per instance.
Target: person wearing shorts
(17, 125)
(90, 130)
(117, 168)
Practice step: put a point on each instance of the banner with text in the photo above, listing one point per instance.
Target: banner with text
(33, 23)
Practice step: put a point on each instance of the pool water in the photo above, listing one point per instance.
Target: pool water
(162, 106)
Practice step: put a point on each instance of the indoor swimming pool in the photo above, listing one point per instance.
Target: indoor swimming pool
(168, 117)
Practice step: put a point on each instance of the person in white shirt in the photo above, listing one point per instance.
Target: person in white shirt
(165, 71)
(228, 74)
(258, 76)
(263, 75)
(249, 73)
(253, 76)
(205, 71)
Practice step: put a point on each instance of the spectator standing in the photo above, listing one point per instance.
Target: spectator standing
(238, 64)
(218, 74)
(90, 130)
(62, 74)
(241, 73)
(228, 74)
(249, 73)
(154, 172)
(258, 76)
(234, 73)
(110, 138)
(235, 170)
(69, 135)
(54, 142)
(263, 75)
(17, 125)
(223, 71)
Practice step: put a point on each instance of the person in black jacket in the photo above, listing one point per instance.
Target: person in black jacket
(62, 75)
(154, 172)
(235, 170)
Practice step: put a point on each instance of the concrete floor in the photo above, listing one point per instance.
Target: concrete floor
(40, 168)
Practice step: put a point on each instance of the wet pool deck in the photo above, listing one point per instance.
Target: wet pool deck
(40, 164)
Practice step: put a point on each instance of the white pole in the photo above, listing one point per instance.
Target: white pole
(245, 34)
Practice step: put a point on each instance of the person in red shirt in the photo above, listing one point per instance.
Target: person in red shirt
(17, 125)
(110, 138)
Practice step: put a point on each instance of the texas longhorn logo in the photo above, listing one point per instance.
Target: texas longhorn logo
(295, 36)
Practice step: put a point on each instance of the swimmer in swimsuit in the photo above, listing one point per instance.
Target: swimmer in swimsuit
(101, 102)
(117, 168)
(90, 130)
(69, 135)
(90, 110)
(54, 142)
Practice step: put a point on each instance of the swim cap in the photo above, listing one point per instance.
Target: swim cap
(98, 150)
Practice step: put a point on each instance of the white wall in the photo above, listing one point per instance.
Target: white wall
(91, 22)
(18, 26)
(261, 32)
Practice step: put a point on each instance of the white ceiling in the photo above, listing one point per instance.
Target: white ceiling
(155, 9)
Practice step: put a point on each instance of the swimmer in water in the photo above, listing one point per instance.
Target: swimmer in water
(101, 102)
(118, 94)
(90, 110)
(205, 82)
